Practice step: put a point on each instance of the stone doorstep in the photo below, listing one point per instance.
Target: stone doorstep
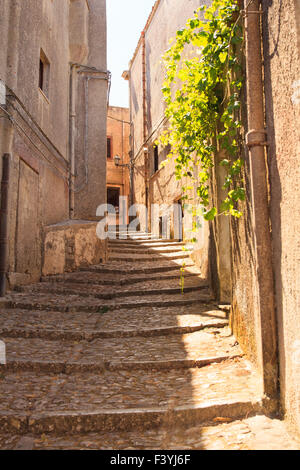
(68, 368)
(128, 419)
(110, 295)
(69, 335)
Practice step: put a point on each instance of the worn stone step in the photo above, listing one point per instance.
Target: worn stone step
(93, 353)
(125, 400)
(132, 269)
(142, 251)
(132, 237)
(133, 320)
(89, 335)
(113, 280)
(59, 367)
(141, 286)
(147, 243)
(131, 234)
(205, 343)
(103, 293)
(137, 258)
(224, 433)
(75, 303)
(127, 244)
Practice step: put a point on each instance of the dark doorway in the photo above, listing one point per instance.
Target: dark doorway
(113, 198)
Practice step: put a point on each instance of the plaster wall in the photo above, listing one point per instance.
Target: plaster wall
(282, 84)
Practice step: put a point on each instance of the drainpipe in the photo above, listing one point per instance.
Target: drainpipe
(132, 150)
(7, 133)
(145, 130)
(72, 121)
(4, 223)
(256, 143)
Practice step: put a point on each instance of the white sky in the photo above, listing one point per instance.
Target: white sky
(125, 22)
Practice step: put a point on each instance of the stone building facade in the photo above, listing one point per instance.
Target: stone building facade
(263, 291)
(118, 177)
(153, 184)
(54, 85)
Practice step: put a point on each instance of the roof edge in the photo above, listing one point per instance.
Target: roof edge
(149, 20)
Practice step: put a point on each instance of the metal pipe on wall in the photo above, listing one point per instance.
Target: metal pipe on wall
(145, 131)
(256, 143)
(7, 133)
(4, 222)
(72, 129)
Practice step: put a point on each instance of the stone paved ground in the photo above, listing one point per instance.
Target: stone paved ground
(257, 433)
(118, 357)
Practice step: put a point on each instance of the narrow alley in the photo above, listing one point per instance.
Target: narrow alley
(117, 357)
(149, 227)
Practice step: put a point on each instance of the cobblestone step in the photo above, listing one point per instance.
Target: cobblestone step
(148, 268)
(150, 258)
(147, 251)
(134, 320)
(74, 303)
(126, 400)
(215, 342)
(97, 279)
(118, 348)
(255, 433)
(147, 289)
(147, 243)
(89, 335)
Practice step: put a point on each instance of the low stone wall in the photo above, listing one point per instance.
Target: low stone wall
(70, 245)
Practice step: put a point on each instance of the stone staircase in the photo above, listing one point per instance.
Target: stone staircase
(118, 356)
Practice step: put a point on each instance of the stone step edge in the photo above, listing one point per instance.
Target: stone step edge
(147, 251)
(101, 309)
(110, 295)
(127, 272)
(69, 368)
(122, 282)
(128, 243)
(129, 419)
(69, 335)
(150, 259)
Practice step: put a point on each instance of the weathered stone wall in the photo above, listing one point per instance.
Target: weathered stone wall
(245, 319)
(281, 75)
(39, 166)
(69, 246)
(91, 112)
(282, 84)
(62, 31)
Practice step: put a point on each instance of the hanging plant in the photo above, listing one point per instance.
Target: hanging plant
(202, 96)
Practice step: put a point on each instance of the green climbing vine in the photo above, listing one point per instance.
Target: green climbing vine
(202, 94)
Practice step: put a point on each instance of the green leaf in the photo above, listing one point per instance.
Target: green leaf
(223, 57)
(210, 215)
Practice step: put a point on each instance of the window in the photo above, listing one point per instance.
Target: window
(44, 73)
(156, 159)
(109, 147)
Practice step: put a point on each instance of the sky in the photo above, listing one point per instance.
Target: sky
(125, 22)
